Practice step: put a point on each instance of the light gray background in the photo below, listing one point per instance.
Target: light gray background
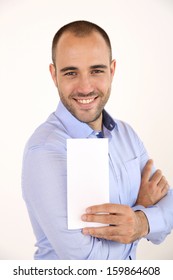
(142, 92)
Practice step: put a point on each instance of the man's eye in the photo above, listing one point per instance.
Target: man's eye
(70, 74)
(97, 71)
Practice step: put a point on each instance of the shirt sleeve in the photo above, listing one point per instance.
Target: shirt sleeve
(160, 218)
(44, 191)
(160, 215)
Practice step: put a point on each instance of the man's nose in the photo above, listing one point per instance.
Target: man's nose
(85, 85)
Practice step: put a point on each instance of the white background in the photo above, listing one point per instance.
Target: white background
(141, 32)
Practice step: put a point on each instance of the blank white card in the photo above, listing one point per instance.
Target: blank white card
(87, 178)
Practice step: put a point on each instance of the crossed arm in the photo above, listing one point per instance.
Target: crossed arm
(124, 224)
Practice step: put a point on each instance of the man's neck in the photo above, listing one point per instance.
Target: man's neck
(97, 125)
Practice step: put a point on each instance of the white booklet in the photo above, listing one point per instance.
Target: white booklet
(87, 178)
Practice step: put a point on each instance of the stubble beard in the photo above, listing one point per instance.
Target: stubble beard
(84, 118)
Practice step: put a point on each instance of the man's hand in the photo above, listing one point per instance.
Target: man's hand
(125, 225)
(151, 189)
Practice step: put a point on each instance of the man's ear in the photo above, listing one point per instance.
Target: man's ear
(52, 70)
(113, 67)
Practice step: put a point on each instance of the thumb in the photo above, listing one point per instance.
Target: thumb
(146, 173)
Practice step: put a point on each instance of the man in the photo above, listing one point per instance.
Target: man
(82, 71)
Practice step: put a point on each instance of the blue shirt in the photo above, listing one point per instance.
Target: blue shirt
(44, 184)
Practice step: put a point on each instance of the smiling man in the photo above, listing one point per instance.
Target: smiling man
(82, 71)
(83, 75)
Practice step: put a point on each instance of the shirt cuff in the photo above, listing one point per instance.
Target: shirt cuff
(156, 226)
(138, 208)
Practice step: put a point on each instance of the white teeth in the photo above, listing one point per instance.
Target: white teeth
(85, 101)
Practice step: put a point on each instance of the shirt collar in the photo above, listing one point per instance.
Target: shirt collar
(108, 121)
(77, 129)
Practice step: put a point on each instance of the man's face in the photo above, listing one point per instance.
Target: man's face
(83, 76)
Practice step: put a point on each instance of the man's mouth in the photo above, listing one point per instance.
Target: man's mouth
(85, 101)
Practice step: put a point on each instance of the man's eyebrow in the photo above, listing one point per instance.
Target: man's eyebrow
(103, 66)
(72, 68)
(68, 68)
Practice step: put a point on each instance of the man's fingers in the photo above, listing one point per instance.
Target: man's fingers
(116, 233)
(107, 208)
(157, 176)
(100, 232)
(163, 185)
(147, 171)
(110, 219)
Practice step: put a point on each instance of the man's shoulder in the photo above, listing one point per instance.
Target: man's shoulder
(49, 135)
(123, 126)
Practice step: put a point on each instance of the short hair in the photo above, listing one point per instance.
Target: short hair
(80, 28)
